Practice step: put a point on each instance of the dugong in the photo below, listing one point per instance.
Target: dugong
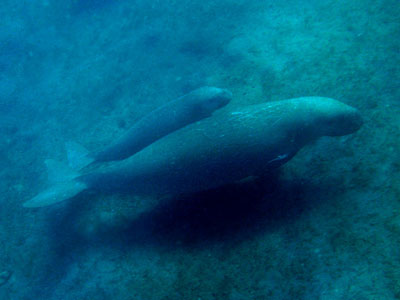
(190, 108)
(215, 151)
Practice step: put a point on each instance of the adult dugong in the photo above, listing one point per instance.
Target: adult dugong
(223, 149)
(190, 108)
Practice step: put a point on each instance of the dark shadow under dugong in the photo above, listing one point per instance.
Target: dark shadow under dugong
(216, 151)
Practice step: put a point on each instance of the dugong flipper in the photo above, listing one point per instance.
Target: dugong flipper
(190, 108)
(223, 149)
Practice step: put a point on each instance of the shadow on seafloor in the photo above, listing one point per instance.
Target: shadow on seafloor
(231, 213)
(195, 220)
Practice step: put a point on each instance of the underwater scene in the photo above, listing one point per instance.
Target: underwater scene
(202, 150)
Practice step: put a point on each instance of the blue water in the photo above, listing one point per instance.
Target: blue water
(325, 226)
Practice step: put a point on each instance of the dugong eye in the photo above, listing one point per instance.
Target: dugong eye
(215, 103)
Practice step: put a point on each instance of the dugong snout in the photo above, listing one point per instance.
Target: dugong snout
(341, 119)
(348, 122)
(211, 99)
(332, 117)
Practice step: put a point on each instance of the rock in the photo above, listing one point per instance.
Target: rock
(4, 277)
(106, 266)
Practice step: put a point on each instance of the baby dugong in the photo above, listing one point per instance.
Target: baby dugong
(190, 108)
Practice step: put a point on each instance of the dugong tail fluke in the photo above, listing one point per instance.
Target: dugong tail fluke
(78, 156)
(63, 185)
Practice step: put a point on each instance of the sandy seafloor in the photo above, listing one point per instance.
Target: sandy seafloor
(326, 226)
